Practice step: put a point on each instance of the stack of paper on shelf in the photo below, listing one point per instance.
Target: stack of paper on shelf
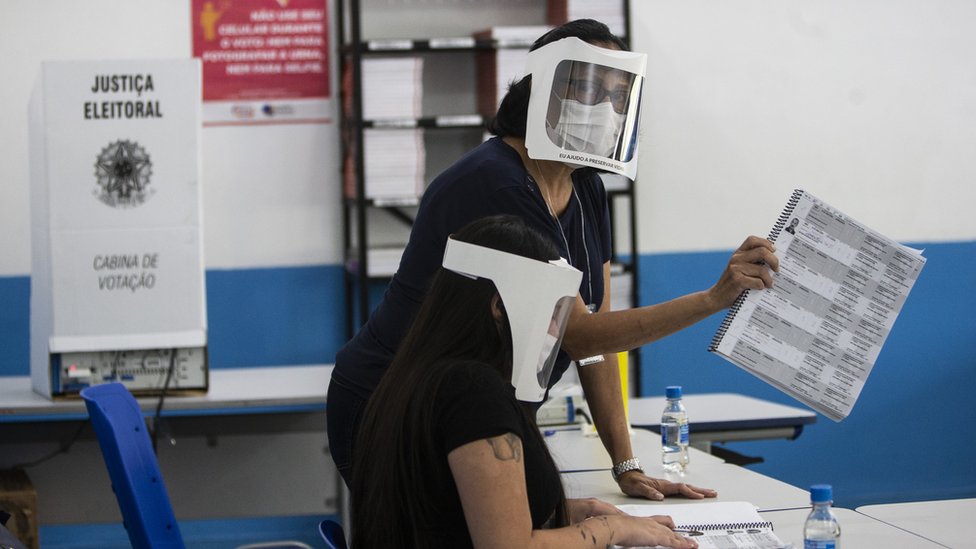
(392, 87)
(621, 290)
(395, 163)
(610, 12)
(498, 68)
(383, 261)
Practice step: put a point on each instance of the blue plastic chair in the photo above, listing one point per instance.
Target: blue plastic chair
(132, 467)
(333, 535)
(134, 471)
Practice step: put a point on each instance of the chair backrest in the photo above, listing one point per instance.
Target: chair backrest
(332, 534)
(132, 467)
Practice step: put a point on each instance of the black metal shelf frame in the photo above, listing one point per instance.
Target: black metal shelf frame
(351, 51)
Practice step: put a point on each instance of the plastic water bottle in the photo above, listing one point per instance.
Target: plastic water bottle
(674, 432)
(821, 530)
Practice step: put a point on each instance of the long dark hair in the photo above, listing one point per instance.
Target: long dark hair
(395, 447)
(514, 108)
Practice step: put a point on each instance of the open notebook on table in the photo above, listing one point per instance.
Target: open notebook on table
(716, 525)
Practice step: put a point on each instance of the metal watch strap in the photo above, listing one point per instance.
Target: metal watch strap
(624, 466)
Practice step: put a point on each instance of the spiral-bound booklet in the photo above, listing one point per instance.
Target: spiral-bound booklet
(716, 524)
(817, 332)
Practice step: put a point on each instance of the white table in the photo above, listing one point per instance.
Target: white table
(232, 391)
(721, 417)
(732, 482)
(253, 409)
(951, 522)
(856, 530)
(574, 451)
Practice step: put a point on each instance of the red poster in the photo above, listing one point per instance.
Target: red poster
(263, 60)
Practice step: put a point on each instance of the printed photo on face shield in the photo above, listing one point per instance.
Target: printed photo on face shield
(584, 106)
(588, 109)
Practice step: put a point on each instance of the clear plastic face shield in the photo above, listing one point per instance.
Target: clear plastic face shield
(538, 297)
(584, 107)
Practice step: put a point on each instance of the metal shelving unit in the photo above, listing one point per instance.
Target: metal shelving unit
(357, 207)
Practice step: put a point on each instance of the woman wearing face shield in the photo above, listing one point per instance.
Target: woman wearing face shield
(569, 206)
(448, 455)
(588, 106)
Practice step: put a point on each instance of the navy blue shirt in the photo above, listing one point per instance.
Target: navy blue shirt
(488, 180)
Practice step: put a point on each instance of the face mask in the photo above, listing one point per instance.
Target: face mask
(589, 128)
(607, 140)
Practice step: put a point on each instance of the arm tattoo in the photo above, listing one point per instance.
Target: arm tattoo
(585, 532)
(508, 447)
(606, 523)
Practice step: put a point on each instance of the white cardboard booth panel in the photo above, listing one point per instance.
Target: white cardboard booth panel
(117, 252)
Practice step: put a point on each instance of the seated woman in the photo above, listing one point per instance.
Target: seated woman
(448, 454)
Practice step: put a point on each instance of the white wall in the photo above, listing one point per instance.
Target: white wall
(271, 198)
(270, 192)
(870, 105)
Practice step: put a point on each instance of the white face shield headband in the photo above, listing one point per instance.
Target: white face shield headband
(584, 107)
(538, 297)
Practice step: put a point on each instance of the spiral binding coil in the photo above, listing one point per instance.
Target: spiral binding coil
(784, 217)
(727, 321)
(726, 526)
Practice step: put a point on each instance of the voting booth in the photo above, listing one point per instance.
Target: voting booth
(117, 283)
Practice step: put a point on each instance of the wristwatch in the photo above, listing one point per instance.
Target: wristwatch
(624, 466)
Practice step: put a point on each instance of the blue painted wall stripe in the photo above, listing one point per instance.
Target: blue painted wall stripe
(921, 384)
(14, 325)
(276, 316)
(256, 317)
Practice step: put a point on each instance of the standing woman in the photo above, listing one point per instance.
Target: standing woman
(575, 123)
(447, 454)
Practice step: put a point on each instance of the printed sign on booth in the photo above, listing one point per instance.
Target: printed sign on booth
(264, 61)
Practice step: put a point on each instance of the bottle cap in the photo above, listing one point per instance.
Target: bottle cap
(673, 391)
(820, 493)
